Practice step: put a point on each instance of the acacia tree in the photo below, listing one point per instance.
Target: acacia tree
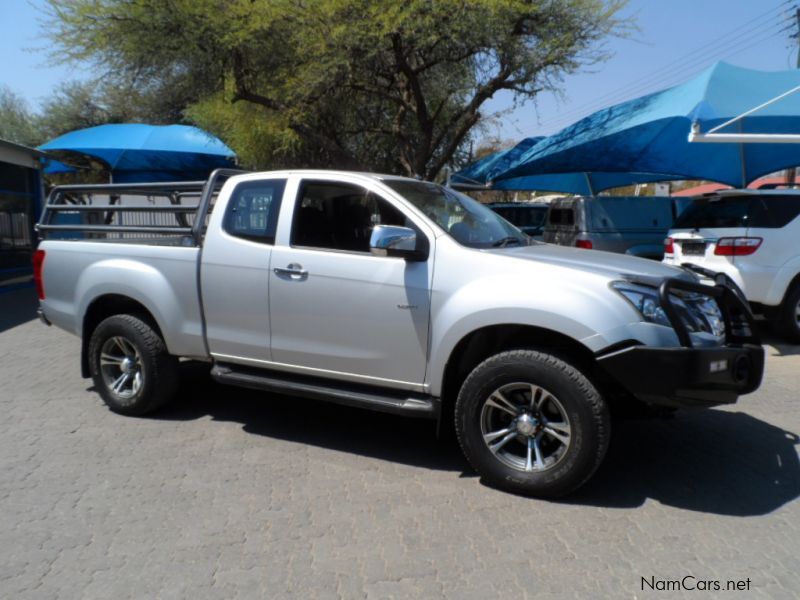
(80, 104)
(383, 85)
(17, 123)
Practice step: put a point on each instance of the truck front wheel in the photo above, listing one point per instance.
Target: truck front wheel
(130, 365)
(531, 423)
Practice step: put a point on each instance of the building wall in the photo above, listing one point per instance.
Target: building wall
(20, 203)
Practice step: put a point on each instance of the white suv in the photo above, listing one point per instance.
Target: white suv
(753, 236)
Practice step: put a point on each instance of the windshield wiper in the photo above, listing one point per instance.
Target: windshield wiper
(506, 241)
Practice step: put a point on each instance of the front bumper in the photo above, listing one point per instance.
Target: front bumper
(690, 376)
(679, 377)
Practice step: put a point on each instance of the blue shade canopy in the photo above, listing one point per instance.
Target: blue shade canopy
(139, 152)
(490, 170)
(483, 171)
(649, 134)
(583, 184)
(55, 167)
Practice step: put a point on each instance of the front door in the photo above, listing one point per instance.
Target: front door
(336, 309)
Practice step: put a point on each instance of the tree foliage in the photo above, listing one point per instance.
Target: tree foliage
(80, 104)
(17, 123)
(391, 86)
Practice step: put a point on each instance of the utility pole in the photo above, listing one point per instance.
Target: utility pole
(797, 36)
(791, 174)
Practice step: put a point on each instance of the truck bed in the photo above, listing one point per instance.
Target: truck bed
(79, 269)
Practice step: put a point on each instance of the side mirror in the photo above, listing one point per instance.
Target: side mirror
(390, 240)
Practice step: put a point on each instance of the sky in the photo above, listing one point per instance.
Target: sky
(675, 40)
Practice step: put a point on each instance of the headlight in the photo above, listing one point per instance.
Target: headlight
(698, 312)
(645, 300)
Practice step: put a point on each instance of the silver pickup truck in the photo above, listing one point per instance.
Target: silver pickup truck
(391, 294)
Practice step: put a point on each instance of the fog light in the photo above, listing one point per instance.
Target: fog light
(741, 369)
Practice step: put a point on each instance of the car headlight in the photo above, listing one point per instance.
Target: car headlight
(645, 300)
(698, 312)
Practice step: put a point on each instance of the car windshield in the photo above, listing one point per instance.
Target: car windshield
(469, 222)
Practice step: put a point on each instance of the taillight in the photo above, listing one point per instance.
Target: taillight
(669, 246)
(587, 244)
(38, 263)
(737, 246)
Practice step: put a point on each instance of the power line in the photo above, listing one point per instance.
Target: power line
(693, 57)
(700, 63)
(677, 69)
(667, 82)
(657, 81)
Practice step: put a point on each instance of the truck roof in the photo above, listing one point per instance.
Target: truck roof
(325, 172)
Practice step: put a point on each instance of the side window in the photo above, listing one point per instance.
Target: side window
(252, 211)
(782, 210)
(339, 216)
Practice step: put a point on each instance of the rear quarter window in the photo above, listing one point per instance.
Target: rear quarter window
(561, 216)
(252, 212)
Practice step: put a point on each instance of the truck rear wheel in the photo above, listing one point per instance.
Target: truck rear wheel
(130, 365)
(530, 423)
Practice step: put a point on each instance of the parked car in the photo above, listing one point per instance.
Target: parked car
(529, 217)
(751, 236)
(391, 294)
(633, 225)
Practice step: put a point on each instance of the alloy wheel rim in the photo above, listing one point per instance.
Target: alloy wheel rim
(121, 367)
(526, 427)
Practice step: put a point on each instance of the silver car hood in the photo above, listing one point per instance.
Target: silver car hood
(608, 264)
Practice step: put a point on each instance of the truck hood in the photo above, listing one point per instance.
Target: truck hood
(605, 264)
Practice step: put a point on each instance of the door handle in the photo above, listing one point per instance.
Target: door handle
(293, 270)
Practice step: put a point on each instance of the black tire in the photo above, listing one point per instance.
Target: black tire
(152, 373)
(788, 324)
(574, 406)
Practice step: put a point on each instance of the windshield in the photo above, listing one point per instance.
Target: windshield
(468, 221)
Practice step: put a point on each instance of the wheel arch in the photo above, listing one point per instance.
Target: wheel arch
(479, 344)
(105, 306)
(793, 282)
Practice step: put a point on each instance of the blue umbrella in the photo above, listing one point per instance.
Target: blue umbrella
(139, 152)
(490, 170)
(649, 134)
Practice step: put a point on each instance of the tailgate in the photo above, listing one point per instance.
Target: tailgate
(698, 246)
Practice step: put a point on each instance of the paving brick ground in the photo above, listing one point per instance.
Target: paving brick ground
(232, 494)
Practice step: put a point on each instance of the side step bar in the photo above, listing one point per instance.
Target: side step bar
(390, 401)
